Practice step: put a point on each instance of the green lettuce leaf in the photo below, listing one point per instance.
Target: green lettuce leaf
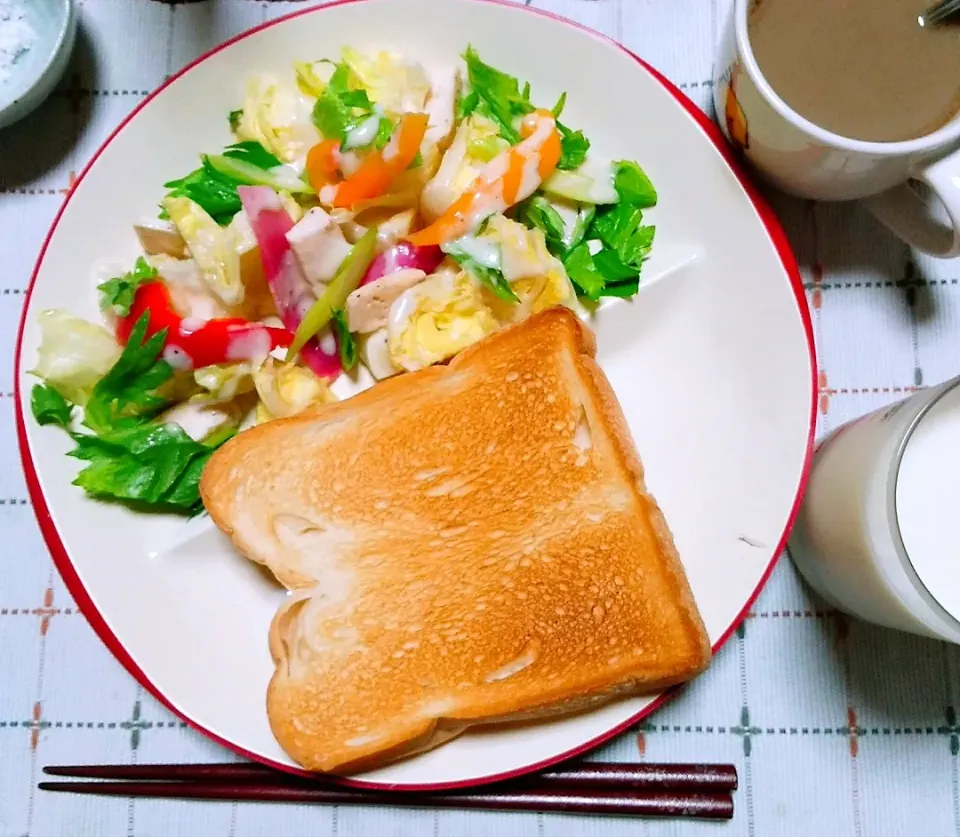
(151, 465)
(339, 110)
(495, 95)
(632, 184)
(498, 96)
(581, 226)
(214, 192)
(557, 109)
(49, 406)
(621, 229)
(620, 243)
(254, 153)
(538, 213)
(573, 148)
(384, 132)
(131, 457)
(583, 271)
(128, 394)
(117, 294)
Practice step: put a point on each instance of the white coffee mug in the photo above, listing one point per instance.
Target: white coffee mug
(805, 160)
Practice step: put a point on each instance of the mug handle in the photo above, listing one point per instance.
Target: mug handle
(907, 215)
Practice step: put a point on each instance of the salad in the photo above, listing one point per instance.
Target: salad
(370, 212)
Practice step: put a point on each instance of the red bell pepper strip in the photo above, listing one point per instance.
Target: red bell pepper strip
(193, 344)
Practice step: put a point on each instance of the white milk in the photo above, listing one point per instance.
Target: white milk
(860, 498)
(928, 501)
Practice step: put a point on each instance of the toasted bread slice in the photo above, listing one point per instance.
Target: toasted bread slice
(466, 544)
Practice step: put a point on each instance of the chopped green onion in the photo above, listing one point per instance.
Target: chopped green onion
(253, 175)
(348, 346)
(344, 283)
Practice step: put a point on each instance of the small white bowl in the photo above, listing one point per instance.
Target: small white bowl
(36, 72)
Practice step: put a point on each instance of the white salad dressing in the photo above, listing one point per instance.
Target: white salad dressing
(392, 148)
(188, 325)
(299, 165)
(253, 346)
(287, 176)
(531, 178)
(494, 172)
(402, 309)
(482, 250)
(177, 358)
(366, 132)
(195, 419)
(328, 343)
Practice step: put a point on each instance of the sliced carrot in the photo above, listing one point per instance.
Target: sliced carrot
(448, 226)
(379, 168)
(499, 185)
(413, 127)
(550, 153)
(322, 163)
(513, 176)
(531, 121)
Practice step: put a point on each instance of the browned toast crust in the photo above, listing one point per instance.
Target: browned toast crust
(465, 544)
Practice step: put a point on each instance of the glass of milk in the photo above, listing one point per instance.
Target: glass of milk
(878, 534)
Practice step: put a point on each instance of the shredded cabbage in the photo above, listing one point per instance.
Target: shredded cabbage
(394, 83)
(74, 354)
(436, 319)
(310, 77)
(211, 246)
(476, 143)
(286, 389)
(277, 116)
(223, 383)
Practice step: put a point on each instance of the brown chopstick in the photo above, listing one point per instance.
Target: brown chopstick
(652, 790)
(597, 775)
(709, 777)
(696, 804)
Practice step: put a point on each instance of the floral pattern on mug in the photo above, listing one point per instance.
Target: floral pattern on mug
(736, 120)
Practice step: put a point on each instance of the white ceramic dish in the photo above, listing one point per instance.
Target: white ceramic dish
(713, 363)
(36, 72)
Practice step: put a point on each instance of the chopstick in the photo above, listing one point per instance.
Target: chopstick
(666, 804)
(717, 777)
(646, 790)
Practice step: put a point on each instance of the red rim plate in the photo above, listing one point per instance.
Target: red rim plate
(58, 550)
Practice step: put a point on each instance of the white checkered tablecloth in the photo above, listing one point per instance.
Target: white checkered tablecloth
(837, 728)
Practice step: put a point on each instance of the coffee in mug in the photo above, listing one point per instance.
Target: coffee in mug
(848, 100)
(864, 69)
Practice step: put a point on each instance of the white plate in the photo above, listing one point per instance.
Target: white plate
(713, 363)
